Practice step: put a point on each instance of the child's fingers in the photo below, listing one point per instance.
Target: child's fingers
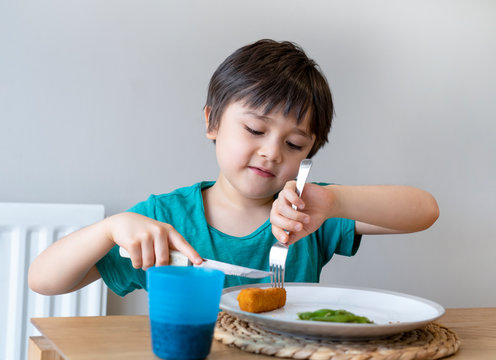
(286, 223)
(280, 234)
(148, 252)
(280, 209)
(291, 185)
(290, 213)
(293, 238)
(162, 252)
(285, 237)
(134, 251)
(177, 242)
(291, 197)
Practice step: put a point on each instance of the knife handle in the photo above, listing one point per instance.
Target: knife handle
(176, 258)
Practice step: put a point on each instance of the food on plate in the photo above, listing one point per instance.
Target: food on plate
(334, 316)
(256, 300)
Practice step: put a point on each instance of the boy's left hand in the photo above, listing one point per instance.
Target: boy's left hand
(312, 210)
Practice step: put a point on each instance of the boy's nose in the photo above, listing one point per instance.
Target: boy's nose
(271, 150)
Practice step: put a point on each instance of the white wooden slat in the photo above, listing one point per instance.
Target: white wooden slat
(40, 305)
(5, 236)
(25, 231)
(15, 295)
(93, 308)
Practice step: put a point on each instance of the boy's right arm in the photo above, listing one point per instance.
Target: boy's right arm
(69, 263)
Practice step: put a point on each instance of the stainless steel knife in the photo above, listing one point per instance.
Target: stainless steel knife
(178, 259)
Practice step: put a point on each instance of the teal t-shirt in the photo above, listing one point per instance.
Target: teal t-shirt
(183, 209)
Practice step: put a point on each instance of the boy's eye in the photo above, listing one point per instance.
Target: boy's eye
(252, 131)
(293, 146)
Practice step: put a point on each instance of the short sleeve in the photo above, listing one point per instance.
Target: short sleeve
(118, 273)
(337, 236)
(146, 208)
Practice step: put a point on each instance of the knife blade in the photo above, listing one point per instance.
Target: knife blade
(178, 259)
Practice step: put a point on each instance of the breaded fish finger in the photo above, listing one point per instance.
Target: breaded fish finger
(258, 300)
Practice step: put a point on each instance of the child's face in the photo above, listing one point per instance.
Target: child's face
(258, 154)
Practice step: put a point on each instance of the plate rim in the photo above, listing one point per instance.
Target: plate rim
(389, 327)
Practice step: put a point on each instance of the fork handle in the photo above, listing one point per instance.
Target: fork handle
(302, 176)
(301, 179)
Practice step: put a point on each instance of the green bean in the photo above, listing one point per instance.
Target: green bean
(333, 316)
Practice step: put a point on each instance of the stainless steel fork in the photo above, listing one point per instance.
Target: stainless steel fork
(279, 251)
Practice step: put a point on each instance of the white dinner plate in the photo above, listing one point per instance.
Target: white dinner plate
(391, 312)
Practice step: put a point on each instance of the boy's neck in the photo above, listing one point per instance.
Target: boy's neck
(231, 197)
(232, 213)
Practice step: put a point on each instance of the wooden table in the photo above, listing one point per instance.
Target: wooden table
(128, 337)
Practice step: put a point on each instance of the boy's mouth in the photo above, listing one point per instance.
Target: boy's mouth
(261, 171)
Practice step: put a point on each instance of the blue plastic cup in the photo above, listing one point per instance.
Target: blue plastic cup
(183, 307)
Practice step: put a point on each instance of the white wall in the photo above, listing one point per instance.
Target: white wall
(101, 102)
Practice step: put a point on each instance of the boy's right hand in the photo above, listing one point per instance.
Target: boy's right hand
(313, 207)
(148, 241)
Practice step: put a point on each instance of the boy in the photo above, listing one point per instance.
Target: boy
(268, 107)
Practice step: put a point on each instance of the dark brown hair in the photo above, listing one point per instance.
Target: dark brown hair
(273, 75)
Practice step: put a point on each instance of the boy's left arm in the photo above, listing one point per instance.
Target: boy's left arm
(377, 209)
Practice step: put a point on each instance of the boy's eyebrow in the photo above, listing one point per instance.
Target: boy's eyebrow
(268, 119)
(257, 115)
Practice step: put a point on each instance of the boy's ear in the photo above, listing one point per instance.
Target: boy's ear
(211, 134)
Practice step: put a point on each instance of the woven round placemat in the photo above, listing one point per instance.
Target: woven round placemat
(433, 341)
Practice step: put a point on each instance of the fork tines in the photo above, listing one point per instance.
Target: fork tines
(277, 276)
(277, 260)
